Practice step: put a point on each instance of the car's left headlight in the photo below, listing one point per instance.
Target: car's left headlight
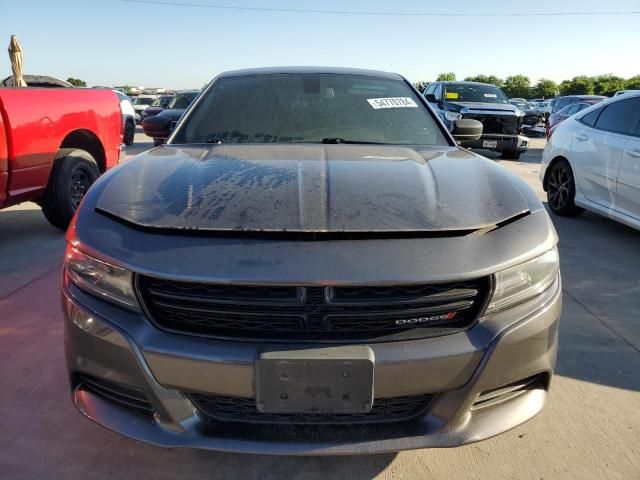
(106, 281)
(522, 282)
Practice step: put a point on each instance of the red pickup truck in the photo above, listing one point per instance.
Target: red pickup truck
(54, 143)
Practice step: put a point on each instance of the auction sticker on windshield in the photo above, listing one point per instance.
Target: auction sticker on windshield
(392, 102)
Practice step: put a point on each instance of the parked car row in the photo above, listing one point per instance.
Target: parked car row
(159, 126)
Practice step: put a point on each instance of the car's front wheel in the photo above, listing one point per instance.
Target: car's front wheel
(561, 190)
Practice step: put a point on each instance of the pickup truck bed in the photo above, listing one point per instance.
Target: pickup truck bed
(54, 143)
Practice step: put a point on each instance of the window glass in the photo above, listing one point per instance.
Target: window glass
(310, 108)
(620, 117)
(570, 110)
(438, 92)
(591, 117)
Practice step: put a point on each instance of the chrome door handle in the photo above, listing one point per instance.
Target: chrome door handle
(633, 152)
(581, 138)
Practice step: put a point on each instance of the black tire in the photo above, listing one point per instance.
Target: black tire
(511, 154)
(129, 132)
(74, 171)
(561, 190)
(158, 141)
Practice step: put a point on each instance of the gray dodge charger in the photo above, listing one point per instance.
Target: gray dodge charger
(311, 265)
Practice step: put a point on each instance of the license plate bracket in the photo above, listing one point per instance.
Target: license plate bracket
(320, 380)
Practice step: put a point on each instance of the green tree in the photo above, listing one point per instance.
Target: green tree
(492, 79)
(517, 86)
(608, 84)
(580, 85)
(632, 83)
(545, 88)
(446, 77)
(421, 85)
(76, 82)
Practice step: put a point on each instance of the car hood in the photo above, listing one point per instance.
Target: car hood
(172, 113)
(153, 110)
(495, 107)
(312, 188)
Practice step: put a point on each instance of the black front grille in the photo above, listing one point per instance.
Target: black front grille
(496, 123)
(125, 395)
(313, 313)
(502, 394)
(243, 410)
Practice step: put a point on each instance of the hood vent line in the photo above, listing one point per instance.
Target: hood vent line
(314, 236)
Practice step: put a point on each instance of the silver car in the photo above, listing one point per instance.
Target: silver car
(311, 265)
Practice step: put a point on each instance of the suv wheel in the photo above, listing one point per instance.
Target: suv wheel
(74, 171)
(561, 190)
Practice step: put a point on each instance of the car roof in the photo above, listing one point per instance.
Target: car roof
(462, 82)
(298, 70)
(604, 103)
(583, 96)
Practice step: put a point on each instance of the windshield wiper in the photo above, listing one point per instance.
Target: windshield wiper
(214, 140)
(336, 140)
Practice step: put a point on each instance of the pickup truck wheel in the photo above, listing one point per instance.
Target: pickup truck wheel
(129, 132)
(561, 190)
(74, 171)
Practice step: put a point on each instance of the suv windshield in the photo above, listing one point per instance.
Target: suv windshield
(310, 108)
(466, 92)
(182, 100)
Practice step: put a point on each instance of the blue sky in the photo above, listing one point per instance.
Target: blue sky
(111, 42)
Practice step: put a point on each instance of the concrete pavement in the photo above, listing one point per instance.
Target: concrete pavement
(589, 429)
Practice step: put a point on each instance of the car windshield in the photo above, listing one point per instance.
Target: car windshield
(143, 101)
(310, 108)
(182, 100)
(465, 92)
(161, 102)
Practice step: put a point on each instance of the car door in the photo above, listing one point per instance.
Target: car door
(628, 183)
(594, 161)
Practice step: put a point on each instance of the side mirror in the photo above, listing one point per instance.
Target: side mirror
(430, 98)
(466, 129)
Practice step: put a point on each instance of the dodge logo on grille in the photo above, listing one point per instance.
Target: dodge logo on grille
(412, 321)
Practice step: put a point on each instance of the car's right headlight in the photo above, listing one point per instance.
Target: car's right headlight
(106, 281)
(522, 282)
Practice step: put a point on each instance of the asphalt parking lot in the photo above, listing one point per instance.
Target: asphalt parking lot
(589, 429)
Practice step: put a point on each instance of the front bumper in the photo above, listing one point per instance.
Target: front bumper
(512, 143)
(106, 342)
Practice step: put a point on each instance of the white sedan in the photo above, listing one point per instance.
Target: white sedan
(592, 161)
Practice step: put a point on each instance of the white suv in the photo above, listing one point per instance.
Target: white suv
(592, 161)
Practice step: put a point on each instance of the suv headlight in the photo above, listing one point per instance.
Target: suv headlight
(522, 282)
(106, 281)
(451, 116)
